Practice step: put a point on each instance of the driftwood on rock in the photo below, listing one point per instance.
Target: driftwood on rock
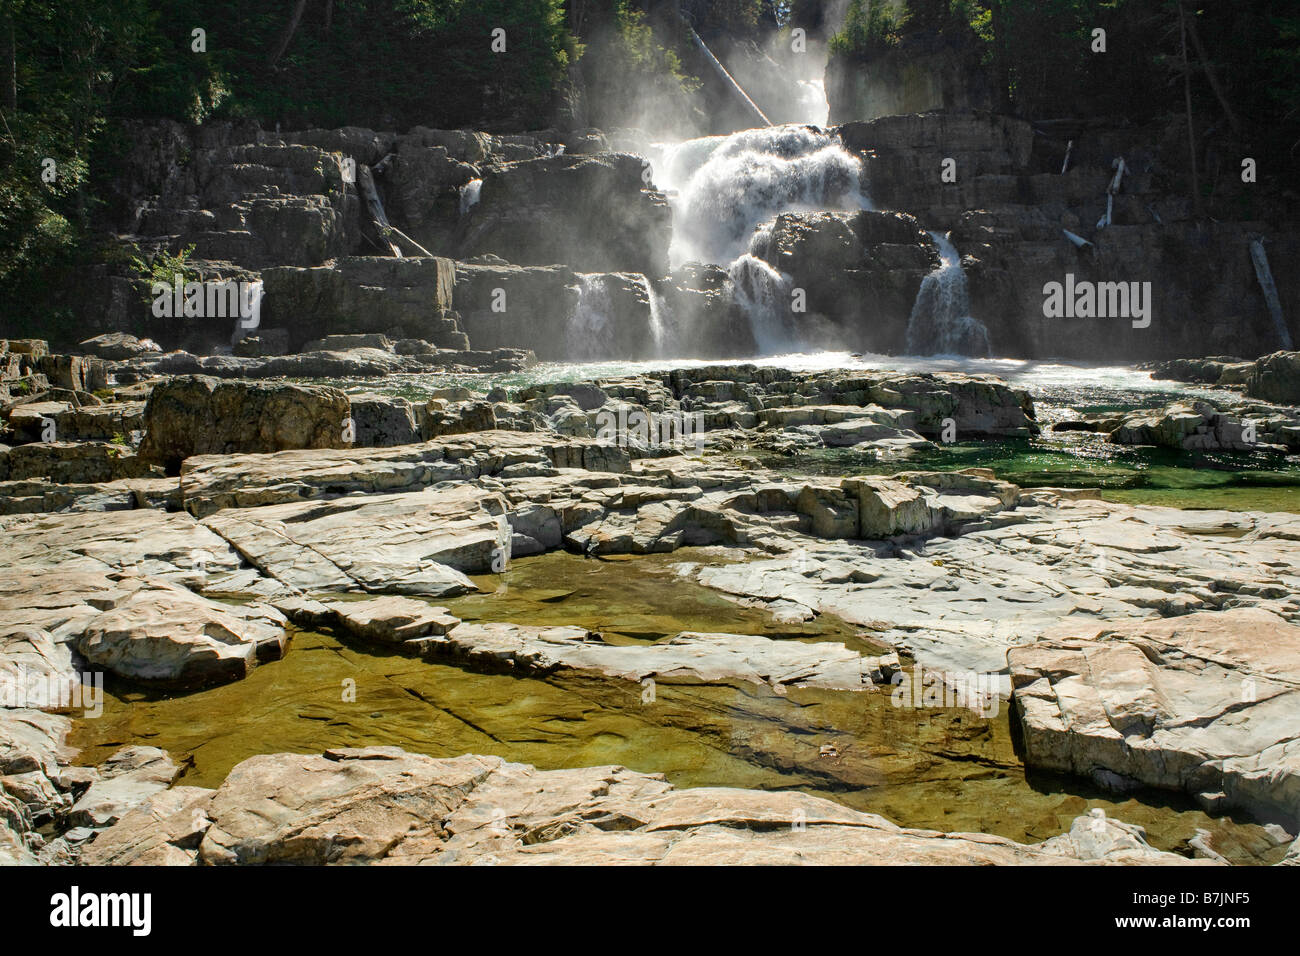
(375, 210)
(387, 232)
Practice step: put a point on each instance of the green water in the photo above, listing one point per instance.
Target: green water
(1128, 474)
(945, 769)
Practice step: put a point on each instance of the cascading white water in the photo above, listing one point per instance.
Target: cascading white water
(658, 319)
(941, 323)
(725, 192)
(469, 195)
(813, 105)
(764, 295)
(590, 332)
(723, 187)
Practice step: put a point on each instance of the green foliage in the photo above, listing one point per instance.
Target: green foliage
(870, 28)
(163, 267)
(627, 69)
(66, 62)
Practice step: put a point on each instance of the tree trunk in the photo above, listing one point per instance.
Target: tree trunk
(288, 33)
(10, 65)
(1212, 77)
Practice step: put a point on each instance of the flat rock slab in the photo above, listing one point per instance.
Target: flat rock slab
(121, 589)
(392, 620)
(1207, 703)
(126, 779)
(688, 656)
(384, 805)
(161, 632)
(418, 543)
(960, 603)
(210, 483)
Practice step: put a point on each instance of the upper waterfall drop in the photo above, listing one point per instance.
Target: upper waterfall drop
(723, 187)
(941, 323)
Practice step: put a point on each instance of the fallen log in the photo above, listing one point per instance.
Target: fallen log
(375, 210)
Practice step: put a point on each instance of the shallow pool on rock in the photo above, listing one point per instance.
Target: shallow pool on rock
(945, 769)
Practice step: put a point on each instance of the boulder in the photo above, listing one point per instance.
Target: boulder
(196, 415)
(167, 634)
(1202, 703)
(381, 421)
(593, 213)
(116, 346)
(392, 620)
(1276, 378)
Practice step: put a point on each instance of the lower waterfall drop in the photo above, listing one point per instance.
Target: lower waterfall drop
(941, 323)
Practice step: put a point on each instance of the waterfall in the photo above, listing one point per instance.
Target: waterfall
(725, 192)
(814, 108)
(724, 186)
(941, 323)
(658, 319)
(469, 195)
(590, 333)
(1265, 276)
(764, 295)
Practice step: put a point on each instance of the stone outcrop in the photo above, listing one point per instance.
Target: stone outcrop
(1203, 703)
(593, 213)
(1199, 426)
(382, 805)
(34, 785)
(404, 298)
(199, 415)
(1275, 378)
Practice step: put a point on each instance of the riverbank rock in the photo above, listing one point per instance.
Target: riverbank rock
(688, 656)
(1276, 378)
(201, 416)
(383, 805)
(1203, 703)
